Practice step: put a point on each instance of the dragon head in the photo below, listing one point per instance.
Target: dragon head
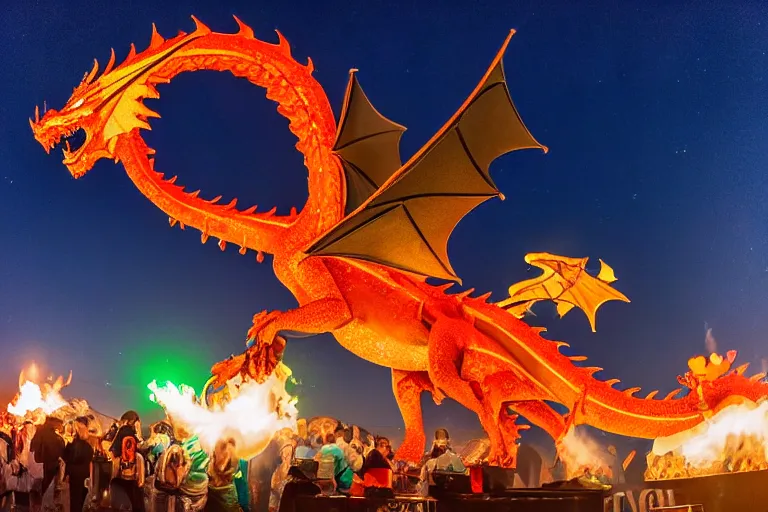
(84, 111)
(109, 107)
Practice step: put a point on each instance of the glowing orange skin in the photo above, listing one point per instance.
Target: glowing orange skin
(432, 341)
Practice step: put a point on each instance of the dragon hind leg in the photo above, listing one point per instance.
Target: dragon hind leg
(408, 387)
(506, 390)
(447, 339)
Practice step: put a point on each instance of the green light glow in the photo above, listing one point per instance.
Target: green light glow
(161, 359)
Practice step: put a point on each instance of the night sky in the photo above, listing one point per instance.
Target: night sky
(655, 116)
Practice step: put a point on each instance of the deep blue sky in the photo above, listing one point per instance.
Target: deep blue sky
(655, 116)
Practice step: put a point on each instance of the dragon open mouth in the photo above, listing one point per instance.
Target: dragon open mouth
(73, 142)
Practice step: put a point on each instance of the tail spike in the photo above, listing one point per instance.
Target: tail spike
(741, 369)
(652, 394)
(250, 210)
(182, 226)
(37, 114)
(444, 287)
(465, 294)
(612, 382)
(271, 212)
(111, 62)
(157, 39)
(484, 297)
(172, 222)
(203, 237)
(577, 358)
(92, 74)
(293, 211)
(559, 344)
(242, 250)
(260, 257)
(631, 391)
(310, 65)
(673, 393)
(200, 27)
(172, 180)
(222, 244)
(591, 370)
(194, 194)
(243, 29)
(757, 377)
(231, 204)
(283, 44)
(215, 200)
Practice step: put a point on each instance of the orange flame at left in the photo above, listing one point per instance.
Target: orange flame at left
(34, 397)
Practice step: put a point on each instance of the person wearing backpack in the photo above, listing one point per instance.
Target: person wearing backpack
(127, 462)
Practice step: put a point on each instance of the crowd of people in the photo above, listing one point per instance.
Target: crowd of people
(80, 464)
(76, 466)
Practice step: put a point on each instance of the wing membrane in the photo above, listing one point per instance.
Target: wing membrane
(407, 222)
(368, 145)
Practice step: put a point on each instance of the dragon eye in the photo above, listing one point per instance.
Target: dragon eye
(78, 103)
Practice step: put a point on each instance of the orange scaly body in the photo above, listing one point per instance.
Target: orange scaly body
(480, 354)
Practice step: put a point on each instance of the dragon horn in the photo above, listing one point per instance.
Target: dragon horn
(92, 74)
(110, 64)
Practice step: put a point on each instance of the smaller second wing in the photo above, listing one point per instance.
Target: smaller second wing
(368, 145)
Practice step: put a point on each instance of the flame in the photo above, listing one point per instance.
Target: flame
(581, 454)
(34, 400)
(253, 415)
(733, 441)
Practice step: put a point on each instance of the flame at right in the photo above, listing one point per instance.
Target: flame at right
(733, 441)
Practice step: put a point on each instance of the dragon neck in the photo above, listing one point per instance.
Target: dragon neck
(300, 99)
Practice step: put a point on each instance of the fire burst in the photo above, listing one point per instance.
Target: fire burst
(251, 417)
(34, 398)
(733, 441)
(581, 454)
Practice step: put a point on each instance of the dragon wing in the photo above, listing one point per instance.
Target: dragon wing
(368, 145)
(406, 223)
(565, 282)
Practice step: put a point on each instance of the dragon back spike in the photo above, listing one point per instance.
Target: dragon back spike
(156, 39)
(243, 29)
(283, 44)
(200, 27)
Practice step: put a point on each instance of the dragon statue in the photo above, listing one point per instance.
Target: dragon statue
(358, 257)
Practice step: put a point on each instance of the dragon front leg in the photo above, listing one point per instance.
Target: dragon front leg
(325, 311)
(408, 387)
(448, 338)
(316, 317)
